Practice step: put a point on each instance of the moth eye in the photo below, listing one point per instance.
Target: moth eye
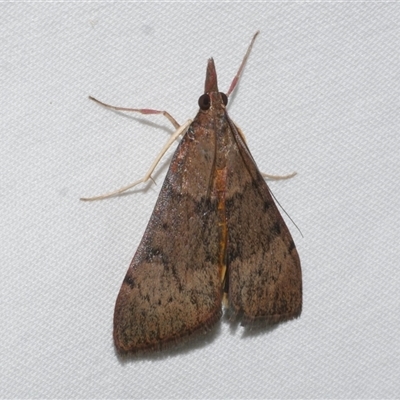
(224, 98)
(204, 101)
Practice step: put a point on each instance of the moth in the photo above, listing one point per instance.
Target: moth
(215, 236)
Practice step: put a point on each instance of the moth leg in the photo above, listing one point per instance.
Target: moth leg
(278, 177)
(268, 176)
(180, 131)
(141, 111)
(240, 132)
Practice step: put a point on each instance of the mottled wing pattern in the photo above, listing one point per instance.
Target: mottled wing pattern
(172, 287)
(263, 264)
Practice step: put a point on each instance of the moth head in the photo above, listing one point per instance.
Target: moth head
(211, 96)
(206, 99)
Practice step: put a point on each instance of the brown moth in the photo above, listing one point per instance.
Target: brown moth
(215, 233)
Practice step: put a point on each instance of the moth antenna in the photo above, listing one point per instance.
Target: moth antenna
(239, 73)
(280, 205)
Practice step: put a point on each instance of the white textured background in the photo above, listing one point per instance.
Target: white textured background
(320, 96)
